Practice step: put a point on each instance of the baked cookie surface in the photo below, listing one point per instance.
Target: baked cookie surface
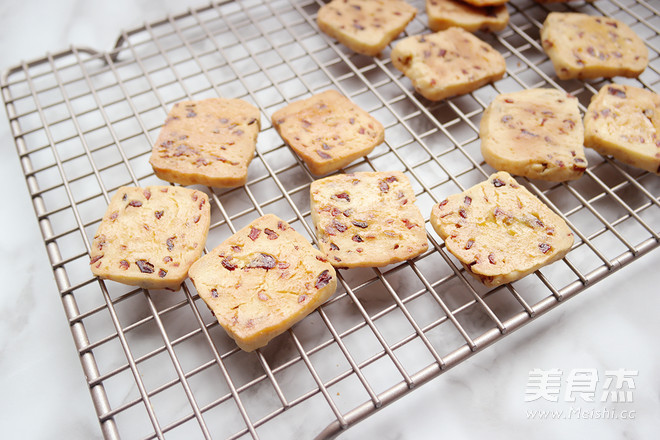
(209, 142)
(328, 131)
(367, 219)
(536, 133)
(262, 280)
(444, 14)
(149, 237)
(447, 63)
(499, 231)
(583, 46)
(624, 122)
(485, 3)
(365, 26)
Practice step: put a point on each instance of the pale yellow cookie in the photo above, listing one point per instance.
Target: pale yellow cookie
(485, 3)
(624, 122)
(584, 46)
(367, 219)
(447, 63)
(328, 131)
(262, 280)
(209, 142)
(536, 133)
(365, 26)
(149, 237)
(444, 14)
(499, 231)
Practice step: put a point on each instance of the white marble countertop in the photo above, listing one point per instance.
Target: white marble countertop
(43, 394)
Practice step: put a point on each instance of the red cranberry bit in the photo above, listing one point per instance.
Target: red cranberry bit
(469, 244)
(214, 293)
(301, 299)
(323, 155)
(545, 247)
(408, 223)
(196, 218)
(123, 264)
(323, 279)
(491, 258)
(170, 243)
(343, 196)
(162, 273)
(114, 215)
(283, 265)
(145, 266)
(281, 226)
(135, 203)
(263, 261)
(360, 224)
(252, 121)
(468, 200)
(462, 213)
(356, 238)
(158, 214)
(202, 203)
(124, 197)
(497, 182)
(272, 235)
(508, 101)
(228, 264)
(194, 197)
(443, 203)
(391, 179)
(167, 259)
(339, 226)
(383, 186)
(95, 259)
(254, 233)
(321, 259)
(147, 194)
(334, 247)
(616, 92)
(236, 248)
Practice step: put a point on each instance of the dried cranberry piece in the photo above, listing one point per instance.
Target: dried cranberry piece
(497, 182)
(196, 218)
(272, 235)
(323, 279)
(491, 258)
(135, 203)
(263, 261)
(357, 238)
(343, 196)
(443, 203)
(281, 226)
(323, 154)
(170, 243)
(338, 226)
(334, 247)
(227, 264)
(469, 244)
(214, 293)
(95, 259)
(468, 200)
(616, 92)
(360, 224)
(545, 247)
(383, 186)
(462, 213)
(158, 214)
(162, 273)
(147, 194)
(254, 233)
(145, 266)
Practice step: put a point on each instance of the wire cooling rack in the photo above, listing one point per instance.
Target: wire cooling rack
(157, 363)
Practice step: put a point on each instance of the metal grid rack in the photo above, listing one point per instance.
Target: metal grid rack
(157, 363)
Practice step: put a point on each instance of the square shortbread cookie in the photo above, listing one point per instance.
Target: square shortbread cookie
(262, 280)
(367, 219)
(536, 133)
(624, 122)
(149, 237)
(584, 46)
(209, 142)
(328, 131)
(444, 14)
(499, 231)
(447, 63)
(365, 26)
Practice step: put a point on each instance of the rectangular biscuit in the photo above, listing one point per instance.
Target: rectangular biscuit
(367, 219)
(365, 26)
(328, 131)
(624, 122)
(262, 280)
(209, 142)
(447, 63)
(500, 231)
(149, 237)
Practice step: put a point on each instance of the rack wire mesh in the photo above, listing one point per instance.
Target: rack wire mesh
(157, 363)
